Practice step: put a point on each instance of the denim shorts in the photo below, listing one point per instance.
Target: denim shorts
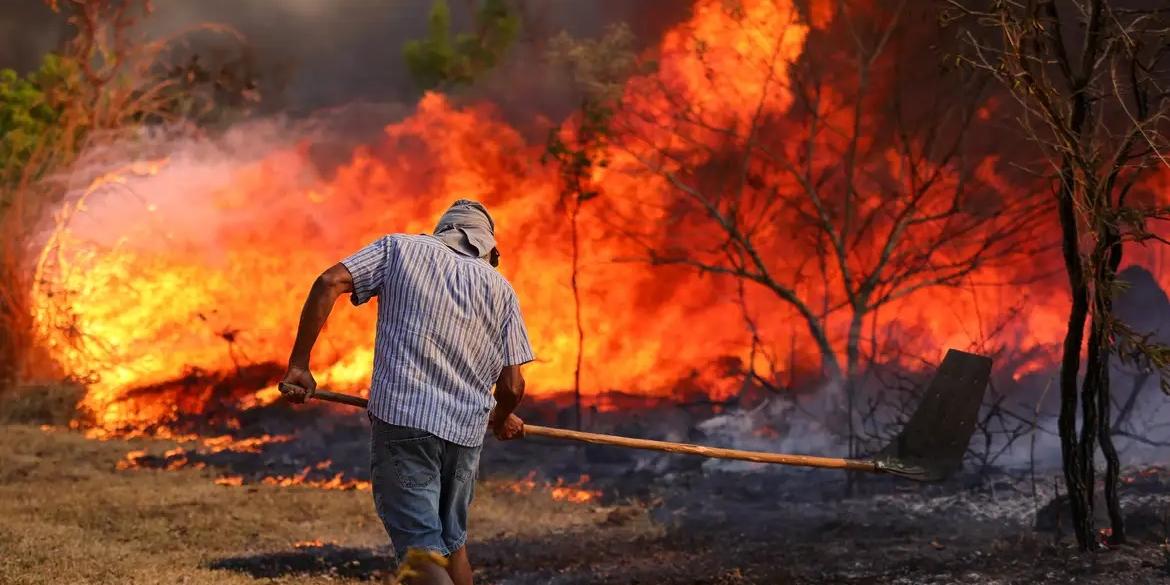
(423, 486)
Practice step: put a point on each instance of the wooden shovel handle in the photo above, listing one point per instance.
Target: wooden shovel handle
(689, 449)
(338, 397)
(647, 444)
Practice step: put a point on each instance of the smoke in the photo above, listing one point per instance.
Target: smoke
(177, 205)
(779, 425)
(28, 29)
(311, 54)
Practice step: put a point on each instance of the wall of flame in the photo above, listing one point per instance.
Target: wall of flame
(201, 259)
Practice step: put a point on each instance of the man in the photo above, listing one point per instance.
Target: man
(449, 326)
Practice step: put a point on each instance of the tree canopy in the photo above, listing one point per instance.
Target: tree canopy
(445, 59)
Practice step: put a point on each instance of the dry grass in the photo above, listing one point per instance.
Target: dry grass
(67, 516)
(53, 404)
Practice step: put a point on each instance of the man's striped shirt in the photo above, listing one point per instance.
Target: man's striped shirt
(447, 325)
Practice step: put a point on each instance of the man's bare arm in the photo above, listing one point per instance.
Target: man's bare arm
(330, 285)
(509, 392)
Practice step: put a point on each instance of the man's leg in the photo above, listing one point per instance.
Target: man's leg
(459, 567)
(406, 469)
(460, 465)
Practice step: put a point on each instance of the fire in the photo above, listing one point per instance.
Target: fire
(177, 457)
(230, 480)
(174, 285)
(575, 492)
(244, 445)
(337, 482)
(131, 460)
(315, 543)
(170, 460)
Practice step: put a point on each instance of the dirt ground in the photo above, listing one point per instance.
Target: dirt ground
(67, 515)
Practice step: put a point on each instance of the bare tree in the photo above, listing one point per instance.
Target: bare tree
(840, 191)
(1090, 80)
(579, 147)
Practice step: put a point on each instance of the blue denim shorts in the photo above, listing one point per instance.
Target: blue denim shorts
(423, 486)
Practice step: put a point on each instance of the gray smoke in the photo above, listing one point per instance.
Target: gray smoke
(312, 54)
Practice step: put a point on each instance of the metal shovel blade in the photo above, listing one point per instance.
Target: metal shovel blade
(931, 445)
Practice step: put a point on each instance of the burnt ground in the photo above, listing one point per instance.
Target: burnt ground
(783, 527)
(675, 519)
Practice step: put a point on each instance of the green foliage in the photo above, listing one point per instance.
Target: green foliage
(438, 60)
(578, 155)
(30, 110)
(598, 69)
(1140, 351)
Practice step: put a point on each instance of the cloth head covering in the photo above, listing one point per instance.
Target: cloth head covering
(467, 228)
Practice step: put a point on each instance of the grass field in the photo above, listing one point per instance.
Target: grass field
(68, 516)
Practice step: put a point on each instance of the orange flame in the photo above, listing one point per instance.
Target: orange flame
(575, 492)
(337, 482)
(230, 480)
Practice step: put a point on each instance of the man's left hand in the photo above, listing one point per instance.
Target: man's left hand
(509, 428)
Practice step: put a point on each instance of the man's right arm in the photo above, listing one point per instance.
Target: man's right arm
(509, 392)
(330, 285)
(361, 276)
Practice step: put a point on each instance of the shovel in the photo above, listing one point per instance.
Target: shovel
(929, 448)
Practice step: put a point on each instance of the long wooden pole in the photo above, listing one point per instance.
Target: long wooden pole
(689, 449)
(667, 446)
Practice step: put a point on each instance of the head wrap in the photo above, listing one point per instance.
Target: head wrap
(467, 228)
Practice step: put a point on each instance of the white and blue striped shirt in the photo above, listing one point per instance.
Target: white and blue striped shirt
(447, 325)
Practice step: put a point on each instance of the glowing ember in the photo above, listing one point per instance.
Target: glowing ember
(1151, 472)
(318, 543)
(177, 458)
(230, 480)
(132, 460)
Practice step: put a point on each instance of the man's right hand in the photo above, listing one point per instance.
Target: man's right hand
(300, 385)
(509, 428)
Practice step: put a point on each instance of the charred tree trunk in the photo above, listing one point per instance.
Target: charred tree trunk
(1087, 449)
(852, 359)
(1073, 454)
(1080, 496)
(1099, 362)
(1095, 103)
(1111, 241)
(575, 216)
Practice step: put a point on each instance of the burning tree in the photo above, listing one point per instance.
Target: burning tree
(580, 147)
(70, 99)
(102, 87)
(1089, 78)
(826, 181)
